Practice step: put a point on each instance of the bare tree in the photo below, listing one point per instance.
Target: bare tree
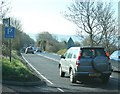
(108, 24)
(94, 19)
(45, 39)
(81, 13)
(16, 23)
(4, 8)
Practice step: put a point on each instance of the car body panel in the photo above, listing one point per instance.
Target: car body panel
(115, 60)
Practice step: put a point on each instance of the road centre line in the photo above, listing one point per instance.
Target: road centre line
(37, 71)
(48, 57)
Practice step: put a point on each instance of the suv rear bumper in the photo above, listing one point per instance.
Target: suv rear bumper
(92, 74)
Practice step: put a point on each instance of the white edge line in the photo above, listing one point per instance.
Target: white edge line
(48, 58)
(40, 73)
(53, 60)
(60, 89)
(37, 71)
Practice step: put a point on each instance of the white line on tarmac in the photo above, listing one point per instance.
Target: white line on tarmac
(48, 57)
(60, 89)
(38, 72)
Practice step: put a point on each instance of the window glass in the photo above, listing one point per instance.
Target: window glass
(115, 54)
(66, 54)
(100, 52)
(93, 52)
(75, 53)
(86, 53)
(118, 53)
(70, 54)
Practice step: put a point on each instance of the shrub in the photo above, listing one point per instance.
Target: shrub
(62, 51)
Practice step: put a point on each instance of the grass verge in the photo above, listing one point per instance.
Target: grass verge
(16, 71)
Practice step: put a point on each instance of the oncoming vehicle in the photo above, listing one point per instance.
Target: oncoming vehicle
(115, 60)
(29, 50)
(80, 62)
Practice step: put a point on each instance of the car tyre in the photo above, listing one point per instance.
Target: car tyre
(62, 74)
(72, 77)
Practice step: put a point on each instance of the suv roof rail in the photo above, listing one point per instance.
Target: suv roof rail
(92, 47)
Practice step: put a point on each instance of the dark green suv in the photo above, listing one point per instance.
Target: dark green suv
(81, 62)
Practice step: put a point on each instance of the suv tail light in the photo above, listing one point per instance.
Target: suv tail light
(78, 58)
(107, 54)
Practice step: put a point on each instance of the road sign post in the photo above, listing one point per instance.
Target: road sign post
(9, 32)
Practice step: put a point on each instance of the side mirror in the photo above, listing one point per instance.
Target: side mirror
(62, 56)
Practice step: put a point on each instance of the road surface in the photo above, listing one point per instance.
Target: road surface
(47, 66)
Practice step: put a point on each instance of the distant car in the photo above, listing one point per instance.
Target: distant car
(38, 50)
(23, 50)
(29, 50)
(80, 62)
(115, 60)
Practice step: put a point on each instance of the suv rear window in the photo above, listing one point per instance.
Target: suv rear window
(93, 52)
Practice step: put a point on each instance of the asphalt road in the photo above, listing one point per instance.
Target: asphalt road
(47, 66)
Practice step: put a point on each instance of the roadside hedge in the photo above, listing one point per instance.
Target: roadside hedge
(62, 51)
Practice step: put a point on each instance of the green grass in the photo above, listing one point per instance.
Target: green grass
(16, 70)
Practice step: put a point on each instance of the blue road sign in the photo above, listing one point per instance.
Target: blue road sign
(9, 32)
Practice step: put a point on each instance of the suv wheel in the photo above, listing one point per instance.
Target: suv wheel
(62, 74)
(72, 77)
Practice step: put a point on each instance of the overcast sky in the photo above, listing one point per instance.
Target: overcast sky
(42, 15)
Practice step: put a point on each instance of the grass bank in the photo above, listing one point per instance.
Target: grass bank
(16, 70)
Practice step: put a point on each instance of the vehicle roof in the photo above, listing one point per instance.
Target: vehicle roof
(86, 47)
(92, 47)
